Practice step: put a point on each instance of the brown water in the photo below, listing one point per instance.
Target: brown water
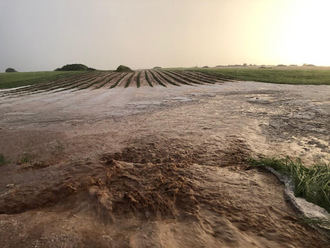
(157, 167)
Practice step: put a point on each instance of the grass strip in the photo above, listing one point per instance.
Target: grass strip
(18, 79)
(271, 75)
(311, 183)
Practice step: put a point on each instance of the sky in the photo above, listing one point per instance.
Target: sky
(39, 35)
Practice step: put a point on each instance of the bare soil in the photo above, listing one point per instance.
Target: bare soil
(157, 166)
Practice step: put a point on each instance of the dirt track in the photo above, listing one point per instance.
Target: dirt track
(156, 166)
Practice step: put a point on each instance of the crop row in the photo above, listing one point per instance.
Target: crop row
(110, 80)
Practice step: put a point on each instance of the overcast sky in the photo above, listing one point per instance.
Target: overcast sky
(45, 34)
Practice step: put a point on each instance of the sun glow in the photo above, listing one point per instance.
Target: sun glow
(305, 36)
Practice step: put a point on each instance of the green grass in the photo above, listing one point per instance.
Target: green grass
(311, 183)
(273, 75)
(2, 159)
(315, 221)
(25, 158)
(18, 79)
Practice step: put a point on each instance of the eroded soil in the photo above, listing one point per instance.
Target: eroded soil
(157, 167)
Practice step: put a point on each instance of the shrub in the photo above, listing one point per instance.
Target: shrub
(123, 68)
(75, 67)
(10, 70)
(308, 65)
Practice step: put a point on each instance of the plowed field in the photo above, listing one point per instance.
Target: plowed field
(97, 80)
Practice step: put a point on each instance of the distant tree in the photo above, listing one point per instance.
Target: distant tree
(75, 67)
(308, 65)
(123, 68)
(157, 68)
(10, 70)
(205, 66)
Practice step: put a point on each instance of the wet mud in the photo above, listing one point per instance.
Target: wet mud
(157, 167)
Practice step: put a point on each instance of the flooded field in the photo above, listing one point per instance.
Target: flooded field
(155, 166)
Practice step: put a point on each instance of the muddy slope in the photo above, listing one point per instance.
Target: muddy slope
(150, 197)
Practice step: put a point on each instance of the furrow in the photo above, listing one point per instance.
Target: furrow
(147, 76)
(97, 81)
(143, 79)
(208, 76)
(170, 81)
(75, 85)
(69, 83)
(38, 90)
(129, 80)
(218, 77)
(112, 76)
(37, 86)
(188, 79)
(157, 79)
(199, 77)
(176, 78)
(138, 80)
(40, 86)
(119, 80)
(133, 79)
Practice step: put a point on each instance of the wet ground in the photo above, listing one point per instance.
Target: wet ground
(156, 166)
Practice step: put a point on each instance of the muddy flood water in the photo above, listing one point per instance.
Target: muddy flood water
(156, 166)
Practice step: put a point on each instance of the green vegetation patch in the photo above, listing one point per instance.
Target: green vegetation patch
(123, 68)
(311, 183)
(18, 79)
(267, 75)
(10, 70)
(75, 67)
(2, 159)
